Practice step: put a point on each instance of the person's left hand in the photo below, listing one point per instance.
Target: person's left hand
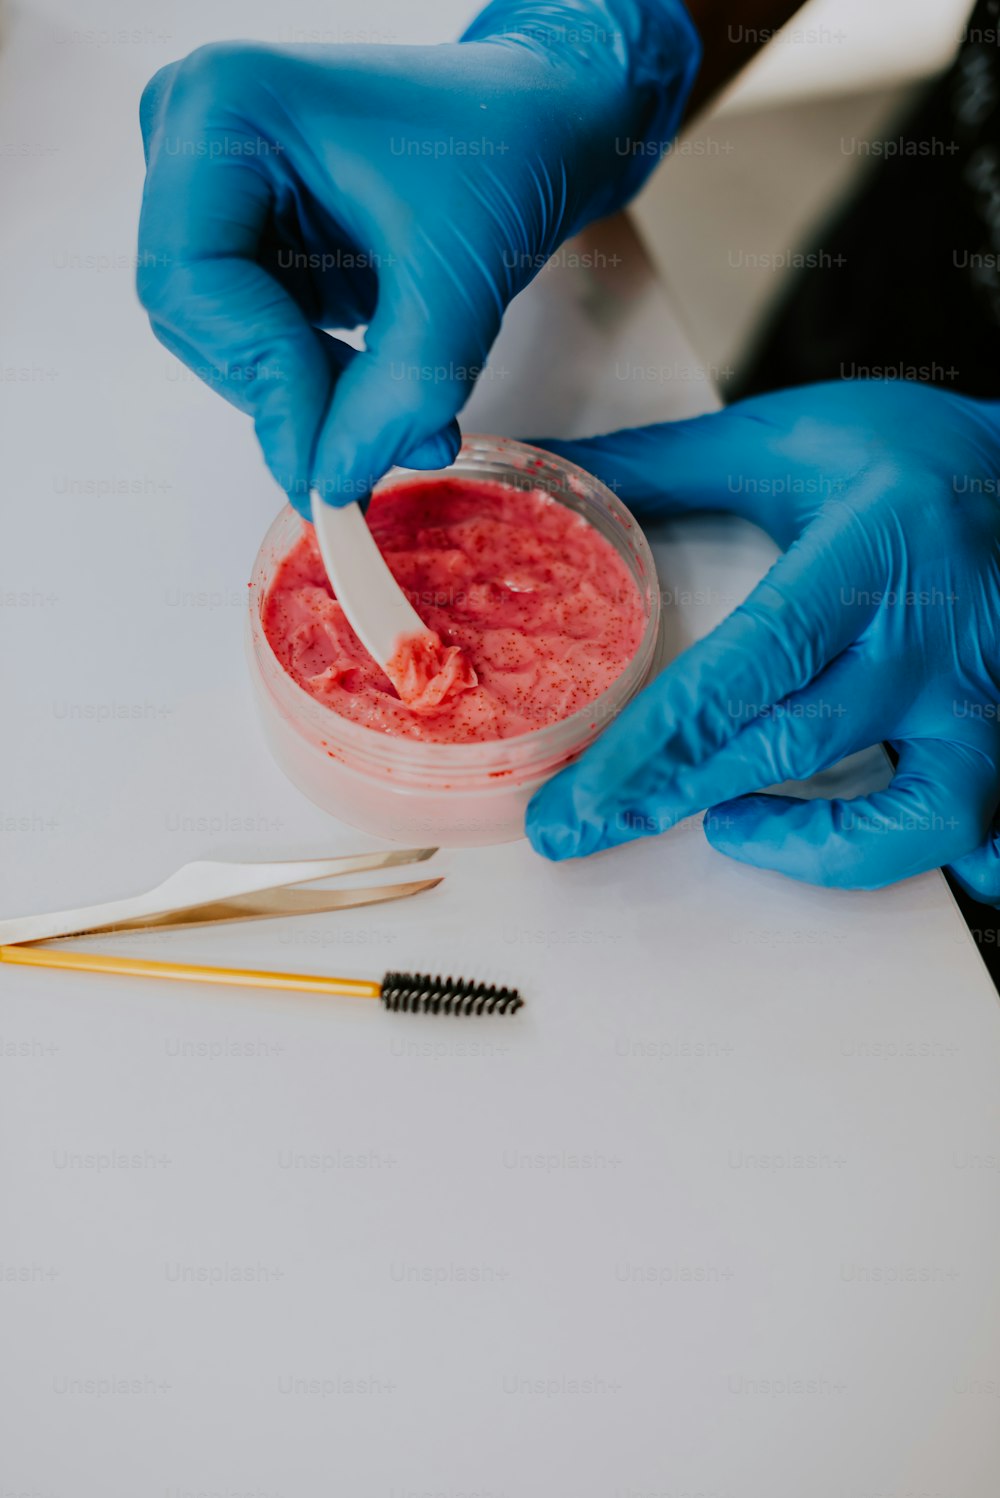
(880, 622)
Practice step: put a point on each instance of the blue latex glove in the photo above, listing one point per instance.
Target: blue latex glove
(880, 622)
(412, 189)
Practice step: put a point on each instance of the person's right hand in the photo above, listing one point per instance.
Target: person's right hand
(413, 189)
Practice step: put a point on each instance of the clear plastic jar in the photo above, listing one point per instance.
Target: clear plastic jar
(451, 795)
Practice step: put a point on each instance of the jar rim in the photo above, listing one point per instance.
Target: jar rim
(429, 760)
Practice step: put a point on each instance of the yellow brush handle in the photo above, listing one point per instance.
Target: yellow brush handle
(187, 972)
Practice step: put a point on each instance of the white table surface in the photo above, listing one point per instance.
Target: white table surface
(717, 1214)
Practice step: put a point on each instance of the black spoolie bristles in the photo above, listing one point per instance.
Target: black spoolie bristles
(419, 993)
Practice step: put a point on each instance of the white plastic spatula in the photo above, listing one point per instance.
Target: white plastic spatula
(377, 609)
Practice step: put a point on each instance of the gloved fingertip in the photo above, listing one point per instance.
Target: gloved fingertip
(734, 827)
(550, 822)
(151, 98)
(296, 488)
(345, 469)
(554, 842)
(301, 504)
(439, 451)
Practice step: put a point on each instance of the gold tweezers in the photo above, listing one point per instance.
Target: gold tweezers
(207, 892)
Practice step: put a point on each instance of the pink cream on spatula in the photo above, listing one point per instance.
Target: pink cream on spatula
(427, 673)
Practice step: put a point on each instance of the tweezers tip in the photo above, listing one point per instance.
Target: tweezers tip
(413, 855)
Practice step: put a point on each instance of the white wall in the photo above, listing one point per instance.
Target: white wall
(840, 46)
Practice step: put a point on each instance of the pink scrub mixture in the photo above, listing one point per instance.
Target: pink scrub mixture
(536, 612)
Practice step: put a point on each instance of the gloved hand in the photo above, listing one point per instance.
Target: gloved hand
(880, 622)
(415, 189)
